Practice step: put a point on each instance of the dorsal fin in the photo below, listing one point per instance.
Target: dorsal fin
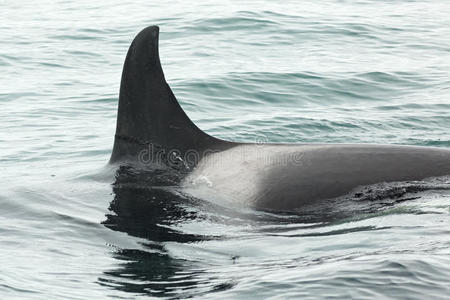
(148, 111)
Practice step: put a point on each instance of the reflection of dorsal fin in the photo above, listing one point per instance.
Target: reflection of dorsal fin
(148, 111)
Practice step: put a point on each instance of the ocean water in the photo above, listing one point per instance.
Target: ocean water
(298, 71)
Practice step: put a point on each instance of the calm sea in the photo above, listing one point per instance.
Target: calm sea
(298, 71)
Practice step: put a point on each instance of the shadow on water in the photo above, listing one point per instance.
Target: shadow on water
(147, 207)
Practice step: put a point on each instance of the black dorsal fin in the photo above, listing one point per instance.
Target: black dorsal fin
(148, 111)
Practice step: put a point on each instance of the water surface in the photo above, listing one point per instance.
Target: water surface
(333, 71)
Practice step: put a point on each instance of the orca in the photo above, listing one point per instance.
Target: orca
(153, 132)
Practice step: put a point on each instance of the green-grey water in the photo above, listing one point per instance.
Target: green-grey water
(295, 71)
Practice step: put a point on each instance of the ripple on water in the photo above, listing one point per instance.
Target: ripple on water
(314, 71)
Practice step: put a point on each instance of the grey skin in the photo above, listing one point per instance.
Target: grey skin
(284, 177)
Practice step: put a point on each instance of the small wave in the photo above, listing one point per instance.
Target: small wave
(236, 23)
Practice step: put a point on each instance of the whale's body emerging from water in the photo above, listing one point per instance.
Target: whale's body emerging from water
(154, 132)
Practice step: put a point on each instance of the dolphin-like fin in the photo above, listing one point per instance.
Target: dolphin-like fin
(149, 113)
